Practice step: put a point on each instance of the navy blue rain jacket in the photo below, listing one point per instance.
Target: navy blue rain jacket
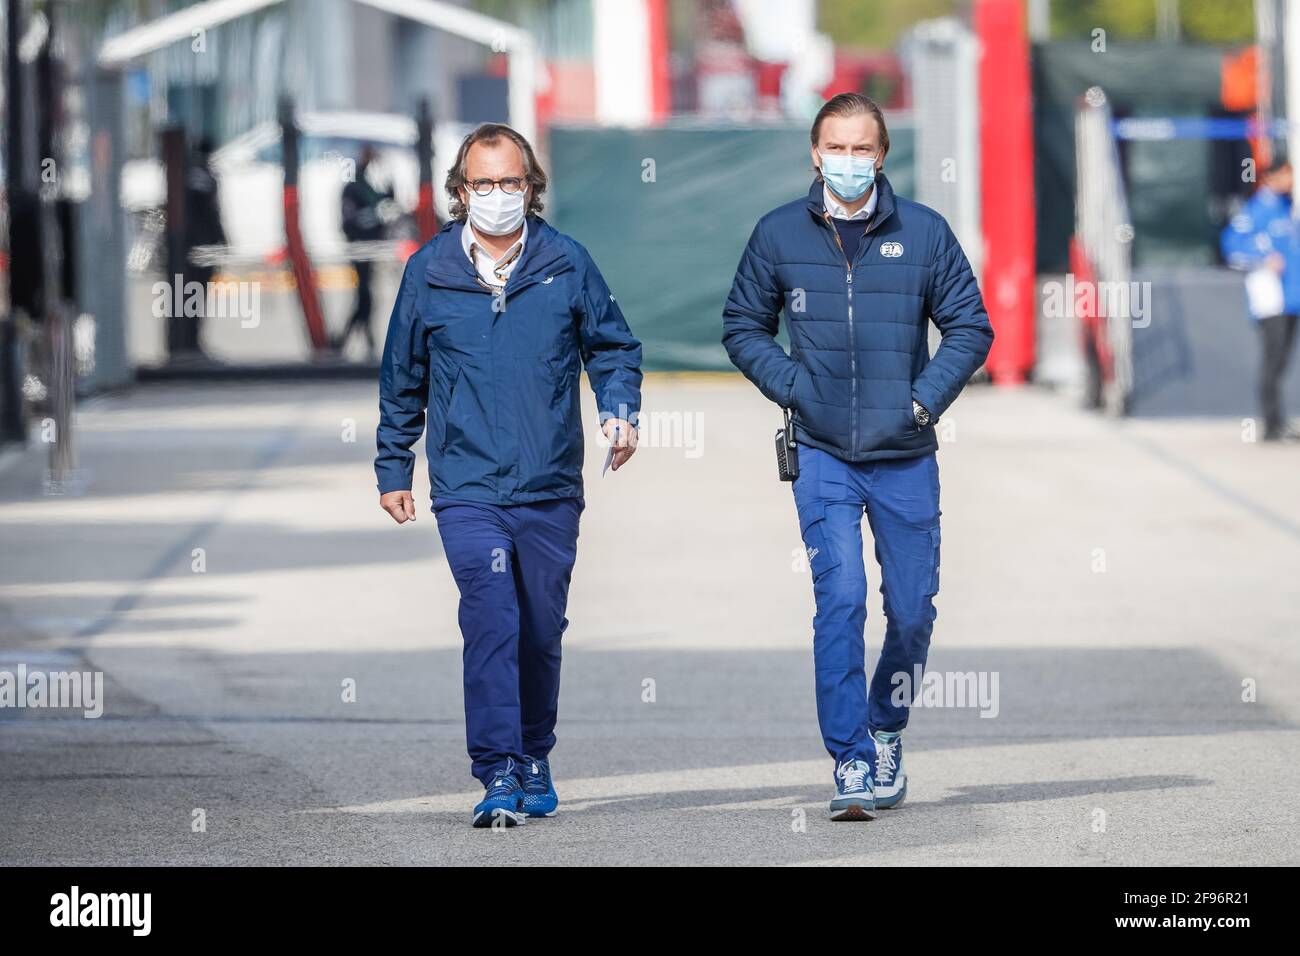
(859, 352)
(498, 375)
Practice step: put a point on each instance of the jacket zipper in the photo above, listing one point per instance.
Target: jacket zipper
(853, 342)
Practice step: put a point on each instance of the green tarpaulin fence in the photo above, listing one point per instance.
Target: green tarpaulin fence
(666, 214)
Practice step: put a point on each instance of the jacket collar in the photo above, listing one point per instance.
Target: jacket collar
(884, 201)
(449, 266)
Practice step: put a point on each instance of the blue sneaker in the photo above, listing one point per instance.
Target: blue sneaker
(854, 792)
(540, 799)
(891, 781)
(503, 804)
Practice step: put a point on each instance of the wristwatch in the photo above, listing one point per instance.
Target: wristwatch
(920, 413)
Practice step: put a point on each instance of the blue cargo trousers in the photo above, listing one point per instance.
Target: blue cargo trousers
(900, 497)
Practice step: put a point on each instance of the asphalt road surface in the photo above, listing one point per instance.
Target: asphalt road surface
(222, 561)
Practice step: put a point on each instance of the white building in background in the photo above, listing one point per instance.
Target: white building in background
(332, 55)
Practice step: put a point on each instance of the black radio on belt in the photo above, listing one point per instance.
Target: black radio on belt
(787, 452)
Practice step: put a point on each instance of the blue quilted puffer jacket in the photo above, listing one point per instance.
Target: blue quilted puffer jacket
(859, 353)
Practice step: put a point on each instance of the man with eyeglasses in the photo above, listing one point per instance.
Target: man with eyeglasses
(496, 318)
(859, 273)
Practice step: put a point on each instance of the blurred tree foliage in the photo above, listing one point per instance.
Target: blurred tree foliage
(877, 24)
(1209, 21)
(1219, 21)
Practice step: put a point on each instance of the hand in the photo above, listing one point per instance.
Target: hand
(623, 437)
(399, 504)
(1275, 262)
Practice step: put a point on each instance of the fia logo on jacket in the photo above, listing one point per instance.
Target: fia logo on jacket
(891, 250)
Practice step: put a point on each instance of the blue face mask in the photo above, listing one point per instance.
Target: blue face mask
(848, 176)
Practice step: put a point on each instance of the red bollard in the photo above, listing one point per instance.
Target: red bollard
(303, 275)
(1007, 187)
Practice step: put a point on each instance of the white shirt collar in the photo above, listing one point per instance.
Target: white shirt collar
(836, 208)
(495, 272)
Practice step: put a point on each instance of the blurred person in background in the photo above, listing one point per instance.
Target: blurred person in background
(202, 228)
(362, 223)
(496, 317)
(858, 272)
(1262, 240)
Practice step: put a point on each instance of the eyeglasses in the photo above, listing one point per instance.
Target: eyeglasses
(510, 185)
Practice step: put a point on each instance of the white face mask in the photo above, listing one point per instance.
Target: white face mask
(498, 213)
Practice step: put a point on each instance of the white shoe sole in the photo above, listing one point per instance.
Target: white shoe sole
(507, 818)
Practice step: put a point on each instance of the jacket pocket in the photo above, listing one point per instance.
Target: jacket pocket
(803, 402)
(910, 427)
(812, 525)
(565, 412)
(800, 376)
(934, 561)
(451, 409)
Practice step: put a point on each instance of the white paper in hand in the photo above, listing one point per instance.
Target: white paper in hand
(609, 460)
(1264, 292)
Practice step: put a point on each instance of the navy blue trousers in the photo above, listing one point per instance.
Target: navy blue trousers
(512, 565)
(900, 498)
